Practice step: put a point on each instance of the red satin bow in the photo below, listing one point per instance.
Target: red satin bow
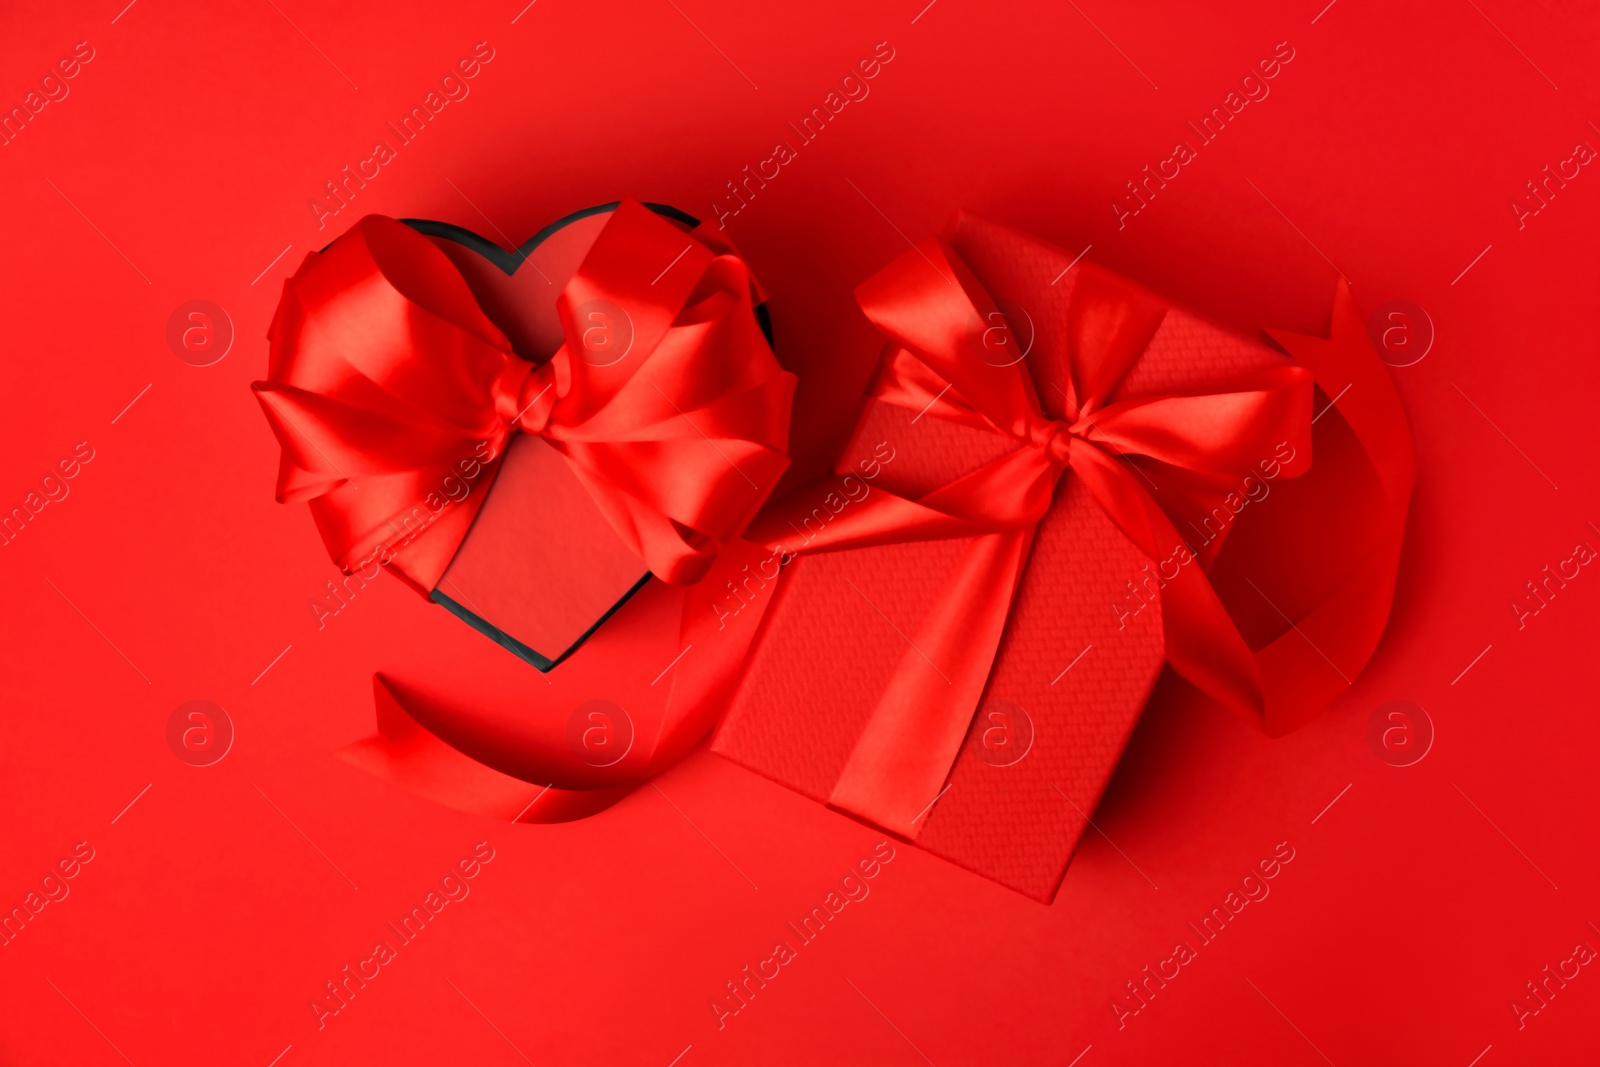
(386, 382)
(935, 311)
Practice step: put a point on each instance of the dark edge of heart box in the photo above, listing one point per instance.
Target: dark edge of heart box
(509, 261)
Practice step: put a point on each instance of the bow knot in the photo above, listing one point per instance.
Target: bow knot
(1054, 438)
(525, 396)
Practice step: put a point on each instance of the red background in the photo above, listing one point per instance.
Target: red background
(182, 162)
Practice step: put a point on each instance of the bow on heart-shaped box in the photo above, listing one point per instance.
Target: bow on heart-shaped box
(630, 416)
(527, 437)
(1060, 483)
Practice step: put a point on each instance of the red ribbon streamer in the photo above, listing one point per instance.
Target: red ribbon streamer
(490, 756)
(933, 308)
(385, 375)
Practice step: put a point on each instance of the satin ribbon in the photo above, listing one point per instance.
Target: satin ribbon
(936, 313)
(387, 384)
(497, 755)
(1300, 668)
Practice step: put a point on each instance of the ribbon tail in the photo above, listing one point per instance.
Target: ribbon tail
(1301, 669)
(1203, 645)
(899, 765)
(1344, 363)
(826, 515)
(1343, 630)
(407, 754)
(715, 643)
(716, 638)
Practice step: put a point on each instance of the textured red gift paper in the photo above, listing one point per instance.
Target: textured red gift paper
(1083, 644)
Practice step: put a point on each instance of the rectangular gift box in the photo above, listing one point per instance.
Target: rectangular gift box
(1083, 645)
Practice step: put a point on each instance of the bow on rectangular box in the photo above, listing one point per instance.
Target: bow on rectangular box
(1030, 521)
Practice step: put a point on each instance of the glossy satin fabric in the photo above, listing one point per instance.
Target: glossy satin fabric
(388, 385)
(932, 308)
(1345, 626)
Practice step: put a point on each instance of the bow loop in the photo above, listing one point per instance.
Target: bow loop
(1110, 323)
(387, 381)
(1218, 436)
(932, 305)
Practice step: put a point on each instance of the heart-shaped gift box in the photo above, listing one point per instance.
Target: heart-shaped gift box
(630, 346)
